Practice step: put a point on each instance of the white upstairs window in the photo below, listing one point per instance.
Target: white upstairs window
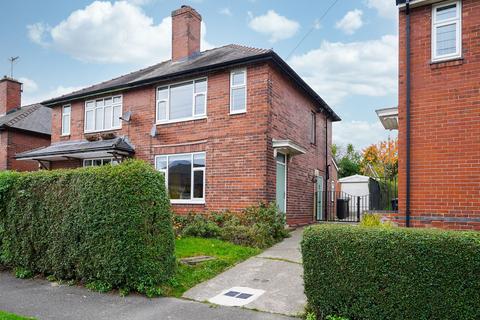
(446, 31)
(238, 91)
(103, 114)
(182, 102)
(66, 119)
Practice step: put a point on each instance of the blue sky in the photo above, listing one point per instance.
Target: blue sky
(349, 57)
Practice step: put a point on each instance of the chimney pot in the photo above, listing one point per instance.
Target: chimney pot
(186, 31)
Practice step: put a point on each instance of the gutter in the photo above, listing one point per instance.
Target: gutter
(407, 116)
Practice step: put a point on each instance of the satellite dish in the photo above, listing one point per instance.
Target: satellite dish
(153, 131)
(126, 116)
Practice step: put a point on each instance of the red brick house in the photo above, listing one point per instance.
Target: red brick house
(21, 128)
(439, 113)
(229, 127)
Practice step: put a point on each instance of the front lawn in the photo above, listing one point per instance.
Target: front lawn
(10, 316)
(186, 277)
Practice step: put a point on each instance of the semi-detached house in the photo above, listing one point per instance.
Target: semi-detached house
(229, 127)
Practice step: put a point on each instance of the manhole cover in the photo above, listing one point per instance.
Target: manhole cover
(236, 296)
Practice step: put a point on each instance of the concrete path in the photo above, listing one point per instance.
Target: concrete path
(277, 271)
(41, 299)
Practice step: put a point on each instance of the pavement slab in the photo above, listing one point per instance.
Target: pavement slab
(277, 271)
(44, 300)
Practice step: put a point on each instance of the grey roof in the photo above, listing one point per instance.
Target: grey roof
(209, 60)
(76, 147)
(33, 118)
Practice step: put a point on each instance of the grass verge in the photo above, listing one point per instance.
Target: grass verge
(10, 316)
(226, 255)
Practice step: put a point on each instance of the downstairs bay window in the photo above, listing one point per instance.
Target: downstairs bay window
(184, 176)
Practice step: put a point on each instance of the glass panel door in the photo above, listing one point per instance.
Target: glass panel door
(282, 182)
(320, 196)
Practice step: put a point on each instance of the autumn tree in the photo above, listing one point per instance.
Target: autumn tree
(382, 158)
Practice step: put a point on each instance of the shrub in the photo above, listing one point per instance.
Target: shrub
(201, 227)
(374, 220)
(257, 226)
(107, 226)
(396, 273)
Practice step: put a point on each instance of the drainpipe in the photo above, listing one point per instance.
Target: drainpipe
(407, 116)
(326, 170)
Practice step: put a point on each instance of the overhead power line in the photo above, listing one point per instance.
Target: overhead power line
(312, 28)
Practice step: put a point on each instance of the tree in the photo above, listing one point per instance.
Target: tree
(382, 158)
(349, 160)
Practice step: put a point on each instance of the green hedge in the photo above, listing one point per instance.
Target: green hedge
(108, 225)
(392, 273)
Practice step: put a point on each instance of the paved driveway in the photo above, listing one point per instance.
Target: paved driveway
(277, 271)
(41, 299)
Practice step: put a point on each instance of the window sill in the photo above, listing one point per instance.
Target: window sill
(102, 131)
(187, 201)
(454, 61)
(65, 135)
(158, 123)
(238, 112)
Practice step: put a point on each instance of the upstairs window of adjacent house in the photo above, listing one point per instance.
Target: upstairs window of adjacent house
(446, 31)
(181, 102)
(66, 119)
(313, 128)
(184, 176)
(238, 91)
(103, 114)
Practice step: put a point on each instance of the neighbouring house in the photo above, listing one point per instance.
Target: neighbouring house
(439, 114)
(21, 127)
(229, 127)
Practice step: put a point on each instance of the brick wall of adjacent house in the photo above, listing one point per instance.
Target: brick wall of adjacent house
(445, 126)
(20, 141)
(240, 167)
(291, 119)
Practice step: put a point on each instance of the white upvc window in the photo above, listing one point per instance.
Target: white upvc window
(238, 91)
(182, 101)
(99, 162)
(184, 176)
(103, 114)
(447, 31)
(66, 119)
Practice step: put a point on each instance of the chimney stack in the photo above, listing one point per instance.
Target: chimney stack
(10, 94)
(186, 25)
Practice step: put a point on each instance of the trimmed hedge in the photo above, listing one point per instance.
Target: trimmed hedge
(392, 273)
(110, 226)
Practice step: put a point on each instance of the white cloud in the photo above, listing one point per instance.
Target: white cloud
(37, 33)
(351, 22)
(226, 12)
(107, 32)
(360, 133)
(385, 8)
(30, 97)
(29, 86)
(336, 69)
(275, 26)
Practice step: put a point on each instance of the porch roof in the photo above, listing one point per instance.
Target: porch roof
(388, 117)
(119, 146)
(289, 147)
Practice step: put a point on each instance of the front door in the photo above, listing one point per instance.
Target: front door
(282, 182)
(320, 197)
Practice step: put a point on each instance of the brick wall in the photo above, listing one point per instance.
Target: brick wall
(445, 126)
(20, 141)
(240, 168)
(291, 119)
(3, 150)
